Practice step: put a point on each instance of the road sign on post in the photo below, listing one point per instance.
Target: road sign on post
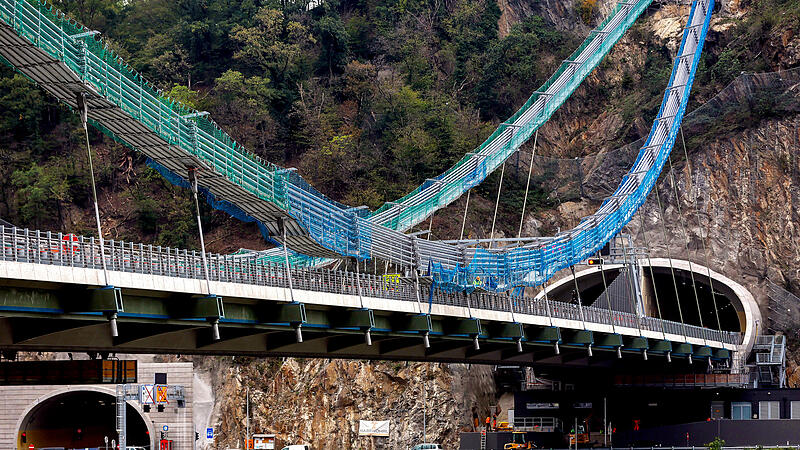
(209, 433)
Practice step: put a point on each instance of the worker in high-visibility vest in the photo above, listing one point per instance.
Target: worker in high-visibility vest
(488, 422)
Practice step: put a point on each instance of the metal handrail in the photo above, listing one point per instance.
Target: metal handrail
(60, 249)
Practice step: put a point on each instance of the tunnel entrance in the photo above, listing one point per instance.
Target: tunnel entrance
(656, 283)
(77, 420)
(665, 287)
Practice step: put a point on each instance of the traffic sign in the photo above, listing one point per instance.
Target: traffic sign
(209, 433)
(147, 396)
(161, 394)
(165, 428)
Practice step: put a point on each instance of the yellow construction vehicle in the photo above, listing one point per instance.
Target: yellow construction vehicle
(582, 436)
(504, 426)
(518, 440)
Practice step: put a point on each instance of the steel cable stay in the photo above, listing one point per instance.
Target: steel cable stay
(608, 302)
(686, 242)
(464, 219)
(652, 274)
(671, 266)
(702, 238)
(83, 111)
(527, 184)
(496, 204)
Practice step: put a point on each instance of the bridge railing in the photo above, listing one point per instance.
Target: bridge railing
(60, 249)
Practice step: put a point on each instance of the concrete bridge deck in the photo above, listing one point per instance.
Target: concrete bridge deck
(52, 297)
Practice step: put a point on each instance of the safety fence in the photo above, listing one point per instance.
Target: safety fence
(159, 126)
(684, 380)
(59, 249)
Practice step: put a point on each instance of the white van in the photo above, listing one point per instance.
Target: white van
(427, 447)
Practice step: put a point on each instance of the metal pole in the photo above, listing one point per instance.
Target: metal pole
(576, 433)
(605, 420)
(497, 203)
(425, 406)
(464, 220)
(84, 111)
(247, 423)
(193, 181)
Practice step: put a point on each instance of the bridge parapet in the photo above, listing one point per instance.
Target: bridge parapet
(239, 281)
(69, 250)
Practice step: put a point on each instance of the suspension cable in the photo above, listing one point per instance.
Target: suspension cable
(652, 274)
(702, 238)
(527, 184)
(193, 181)
(578, 296)
(669, 257)
(549, 314)
(83, 109)
(608, 296)
(84, 112)
(286, 259)
(547, 302)
(464, 220)
(497, 203)
(686, 241)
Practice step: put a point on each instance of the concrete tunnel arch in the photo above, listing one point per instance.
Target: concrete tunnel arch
(745, 317)
(141, 431)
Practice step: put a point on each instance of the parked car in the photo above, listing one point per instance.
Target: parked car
(297, 447)
(427, 446)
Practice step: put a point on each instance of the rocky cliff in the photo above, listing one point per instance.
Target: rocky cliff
(320, 402)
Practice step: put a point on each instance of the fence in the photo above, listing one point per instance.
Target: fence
(33, 246)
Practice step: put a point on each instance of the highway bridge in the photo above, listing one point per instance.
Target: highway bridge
(53, 297)
(455, 300)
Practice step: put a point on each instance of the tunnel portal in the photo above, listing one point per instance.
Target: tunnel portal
(77, 420)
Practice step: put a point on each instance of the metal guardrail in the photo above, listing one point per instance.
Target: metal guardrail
(49, 248)
(684, 380)
(537, 424)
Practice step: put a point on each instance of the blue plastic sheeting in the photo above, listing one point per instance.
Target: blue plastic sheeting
(295, 259)
(500, 270)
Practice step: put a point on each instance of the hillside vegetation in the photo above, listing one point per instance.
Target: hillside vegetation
(367, 98)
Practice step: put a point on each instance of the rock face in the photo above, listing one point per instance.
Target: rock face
(563, 14)
(320, 402)
(748, 192)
